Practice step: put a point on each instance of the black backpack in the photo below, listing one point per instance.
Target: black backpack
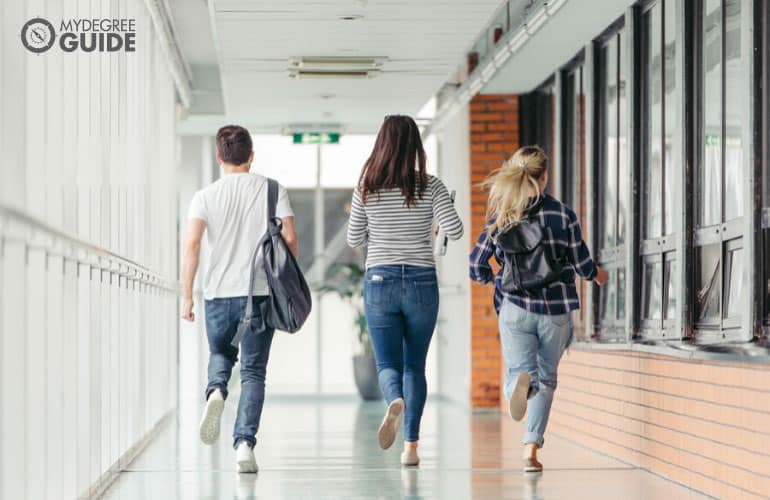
(528, 265)
(290, 302)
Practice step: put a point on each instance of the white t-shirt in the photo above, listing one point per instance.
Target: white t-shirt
(234, 209)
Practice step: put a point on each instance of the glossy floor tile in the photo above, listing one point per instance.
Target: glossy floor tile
(327, 448)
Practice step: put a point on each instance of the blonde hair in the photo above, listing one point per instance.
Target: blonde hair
(509, 186)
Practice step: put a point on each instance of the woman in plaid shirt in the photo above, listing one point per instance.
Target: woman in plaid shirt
(535, 324)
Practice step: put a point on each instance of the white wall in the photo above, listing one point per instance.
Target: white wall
(453, 340)
(88, 348)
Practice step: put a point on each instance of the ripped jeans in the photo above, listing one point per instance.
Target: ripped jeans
(533, 343)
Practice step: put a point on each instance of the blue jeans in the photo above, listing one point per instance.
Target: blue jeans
(222, 318)
(401, 305)
(533, 343)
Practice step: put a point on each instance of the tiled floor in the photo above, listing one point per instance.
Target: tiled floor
(310, 448)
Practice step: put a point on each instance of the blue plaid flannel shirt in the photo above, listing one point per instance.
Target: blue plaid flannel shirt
(566, 244)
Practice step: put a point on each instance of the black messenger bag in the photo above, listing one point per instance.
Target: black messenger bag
(528, 265)
(289, 302)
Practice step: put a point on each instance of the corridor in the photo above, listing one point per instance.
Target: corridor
(311, 448)
(652, 125)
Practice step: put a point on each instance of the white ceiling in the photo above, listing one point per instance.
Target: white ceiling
(424, 42)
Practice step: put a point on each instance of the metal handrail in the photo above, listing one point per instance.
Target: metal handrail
(82, 252)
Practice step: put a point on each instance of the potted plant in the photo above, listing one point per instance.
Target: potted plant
(347, 281)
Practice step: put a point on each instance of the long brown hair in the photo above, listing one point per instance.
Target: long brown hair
(510, 186)
(397, 161)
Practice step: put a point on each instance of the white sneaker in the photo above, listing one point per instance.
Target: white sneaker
(517, 405)
(209, 429)
(410, 458)
(390, 423)
(244, 456)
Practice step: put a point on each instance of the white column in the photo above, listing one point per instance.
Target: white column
(318, 250)
(452, 331)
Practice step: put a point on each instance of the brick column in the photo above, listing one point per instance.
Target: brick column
(494, 126)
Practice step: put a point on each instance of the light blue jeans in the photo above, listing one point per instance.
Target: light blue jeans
(533, 343)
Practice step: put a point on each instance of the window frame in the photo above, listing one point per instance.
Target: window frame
(662, 248)
(573, 121)
(762, 14)
(537, 116)
(569, 73)
(726, 233)
(749, 95)
(612, 258)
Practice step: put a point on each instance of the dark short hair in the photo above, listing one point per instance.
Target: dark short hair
(234, 144)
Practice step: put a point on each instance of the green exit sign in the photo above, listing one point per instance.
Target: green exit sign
(316, 138)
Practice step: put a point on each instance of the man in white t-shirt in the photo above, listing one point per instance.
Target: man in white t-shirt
(233, 213)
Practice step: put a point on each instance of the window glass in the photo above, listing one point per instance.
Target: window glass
(608, 298)
(653, 186)
(303, 205)
(766, 247)
(708, 284)
(734, 265)
(609, 171)
(337, 211)
(293, 165)
(710, 181)
(547, 135)
(569, 162)
(670, 285)
(621, 293)
(622, 169)
(652, 291)
(735, 85)
(341, 163)
(672, 100)
(580, 140)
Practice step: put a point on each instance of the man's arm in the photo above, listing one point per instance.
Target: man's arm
(289, 233)
(192, 250)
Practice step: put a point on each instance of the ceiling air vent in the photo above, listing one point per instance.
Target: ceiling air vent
(335, 67)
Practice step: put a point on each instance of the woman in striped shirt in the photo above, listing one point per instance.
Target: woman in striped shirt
(393, 210)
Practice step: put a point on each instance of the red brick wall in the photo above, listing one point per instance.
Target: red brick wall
(494, 126)
(703, 424)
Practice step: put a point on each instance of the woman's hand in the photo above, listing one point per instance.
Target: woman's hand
(602, 276)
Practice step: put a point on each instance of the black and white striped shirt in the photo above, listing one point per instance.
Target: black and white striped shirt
(401, 235)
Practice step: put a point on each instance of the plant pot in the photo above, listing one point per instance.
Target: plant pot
(365, 375)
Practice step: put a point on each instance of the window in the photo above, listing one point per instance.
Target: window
(573, 135)
(660, 95)
(720, 194)
(573, 157)
(613, 183)
(765, 99)
(536, 117)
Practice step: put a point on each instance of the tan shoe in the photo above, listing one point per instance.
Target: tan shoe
(517, 405)
(532, 465)
(390, 423)
(410, 458)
